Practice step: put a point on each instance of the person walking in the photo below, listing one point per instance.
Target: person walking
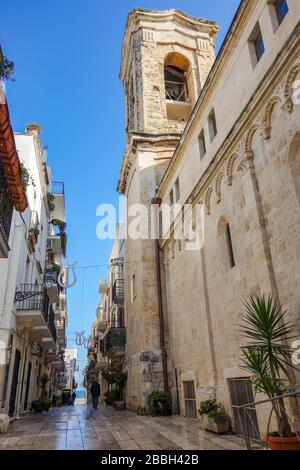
(73, 397)
(95, 392)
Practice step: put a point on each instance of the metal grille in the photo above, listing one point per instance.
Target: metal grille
(190, 399)
(6, 205)
(241, 394)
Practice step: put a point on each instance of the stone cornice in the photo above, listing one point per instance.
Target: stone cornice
(161, 16)
(137, 138)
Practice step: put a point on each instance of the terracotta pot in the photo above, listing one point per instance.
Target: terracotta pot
(284, 443)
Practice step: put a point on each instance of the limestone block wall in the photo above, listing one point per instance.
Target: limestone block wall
(248, 178)
(143, 356)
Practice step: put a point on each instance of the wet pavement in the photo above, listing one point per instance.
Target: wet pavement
(80, 427)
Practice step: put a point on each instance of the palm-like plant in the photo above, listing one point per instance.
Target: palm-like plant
(44, 379)
(267, 356)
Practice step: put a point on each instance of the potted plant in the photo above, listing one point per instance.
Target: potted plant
(37, 406)
(159, 403)
(214, 417)
(44, 402)
(114, 376)
(268, 359)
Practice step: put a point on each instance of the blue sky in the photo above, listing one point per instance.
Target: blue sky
(67, 58)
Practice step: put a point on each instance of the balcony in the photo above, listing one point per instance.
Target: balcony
(101, 326)
(58, 192)
(114, 342)
(103, 286)
(118, 295)
(35, 311)
(6, 211)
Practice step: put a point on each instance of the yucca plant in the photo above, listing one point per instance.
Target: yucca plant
(267, 356)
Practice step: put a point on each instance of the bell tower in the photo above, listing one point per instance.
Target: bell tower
(166, 58)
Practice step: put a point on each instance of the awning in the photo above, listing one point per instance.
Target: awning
(10, 160)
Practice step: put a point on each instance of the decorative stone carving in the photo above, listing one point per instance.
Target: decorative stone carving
(246, 162)
(267, 125)
(207, 200)
(250, 134)
(229, 168)
(218, 186)
(288, 89)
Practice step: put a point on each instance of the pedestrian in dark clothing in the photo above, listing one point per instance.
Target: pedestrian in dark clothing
(73, 397)
(95, 392)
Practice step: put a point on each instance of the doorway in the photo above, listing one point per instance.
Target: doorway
(14, 383)
(190, 399)
(241, 393)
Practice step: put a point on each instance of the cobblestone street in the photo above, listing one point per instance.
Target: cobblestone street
(72, 428)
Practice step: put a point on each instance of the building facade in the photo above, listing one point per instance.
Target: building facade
(223, 134)
(108, 333)
(32, 322)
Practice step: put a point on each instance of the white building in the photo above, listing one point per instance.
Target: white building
(30, 310)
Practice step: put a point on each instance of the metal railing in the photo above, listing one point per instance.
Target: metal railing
(176, 91)
(249, 424)
(35, 297)
(118, 294)
(115, 338)
(6, 205)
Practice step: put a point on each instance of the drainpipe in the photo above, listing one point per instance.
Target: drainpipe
(156, 202)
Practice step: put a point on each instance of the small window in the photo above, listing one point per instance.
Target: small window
(282, 9)
(257, 47)
(212, 125)
(177, 190)
(171, 198)
(133, 287)
(230, 246)
(202, 145)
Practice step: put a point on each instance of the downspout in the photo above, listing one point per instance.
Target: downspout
(156, 202)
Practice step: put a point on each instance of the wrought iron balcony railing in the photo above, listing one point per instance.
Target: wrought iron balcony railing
(114, 339)
(118, 294)
(35, 297)
(6, 205)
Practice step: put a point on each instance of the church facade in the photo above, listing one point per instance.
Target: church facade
(222, 133)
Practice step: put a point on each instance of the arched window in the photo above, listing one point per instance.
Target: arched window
(226, 245)
(176, 69)
(230, 246)
(178, 87)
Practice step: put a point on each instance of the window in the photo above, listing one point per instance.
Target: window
(229, 246)
(257, 47)
(202, 145)
(212, 125)
(133, 287)
(281, 8)
(171, 198)
(177, 190)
